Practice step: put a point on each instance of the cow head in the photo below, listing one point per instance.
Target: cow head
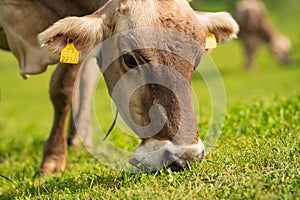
(160, 42)
(280, 46)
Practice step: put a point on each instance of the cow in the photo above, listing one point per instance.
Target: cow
(147, 51)
(20, 23)
(256, 29)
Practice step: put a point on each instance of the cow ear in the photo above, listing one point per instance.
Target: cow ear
(221, 24)
(85, 32)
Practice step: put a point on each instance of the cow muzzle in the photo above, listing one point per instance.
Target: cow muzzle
(157, 154)
(177, 163)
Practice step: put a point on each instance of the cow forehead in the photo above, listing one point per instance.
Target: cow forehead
(151, 13)
(133, 14)
(171, 15)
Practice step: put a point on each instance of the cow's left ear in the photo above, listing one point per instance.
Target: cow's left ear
(85, 32)
(221, 24)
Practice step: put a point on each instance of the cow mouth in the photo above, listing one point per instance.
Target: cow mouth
(27, 73)
(25, 76)
(172, 161)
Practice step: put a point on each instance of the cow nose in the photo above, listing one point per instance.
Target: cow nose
(25, 76)
(287, 61)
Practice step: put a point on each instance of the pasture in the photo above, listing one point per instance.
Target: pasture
(256, 156)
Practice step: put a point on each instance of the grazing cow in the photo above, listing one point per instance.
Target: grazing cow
(20, 23)
(160, 42)
(255, 28)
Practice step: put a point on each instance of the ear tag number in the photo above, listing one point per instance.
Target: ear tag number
(69, 54)
(211, 41)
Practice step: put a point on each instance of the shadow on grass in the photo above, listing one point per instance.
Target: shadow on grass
(59, 185)
(70, 183)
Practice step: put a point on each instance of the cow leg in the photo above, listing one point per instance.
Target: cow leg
(73, 137)
(250, 49)
(249, 57)
(55, 148)
(82, 99)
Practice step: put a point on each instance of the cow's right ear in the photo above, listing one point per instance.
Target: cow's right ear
(221, 24)
(86, 32)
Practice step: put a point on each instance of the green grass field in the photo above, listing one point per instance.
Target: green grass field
(256, 157)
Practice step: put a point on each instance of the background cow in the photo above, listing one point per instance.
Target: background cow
(150, 23)
(256, 28)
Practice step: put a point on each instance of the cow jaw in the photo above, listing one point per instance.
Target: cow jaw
(155, 154)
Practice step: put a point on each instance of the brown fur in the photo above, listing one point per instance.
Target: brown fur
(116, 16)
(20, 22)
(256, 29)
(90, 30)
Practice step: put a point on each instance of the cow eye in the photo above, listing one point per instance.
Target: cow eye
(130, 60)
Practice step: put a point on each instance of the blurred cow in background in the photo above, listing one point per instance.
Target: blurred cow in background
(255, 29)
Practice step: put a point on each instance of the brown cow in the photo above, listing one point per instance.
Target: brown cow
(20, 23)
(255, 29)
(158, 44)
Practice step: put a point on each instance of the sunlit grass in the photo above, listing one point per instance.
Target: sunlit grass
(256, 157)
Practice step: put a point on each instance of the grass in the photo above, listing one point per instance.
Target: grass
(256, 157)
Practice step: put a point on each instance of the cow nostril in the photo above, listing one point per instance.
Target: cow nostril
(287, 61)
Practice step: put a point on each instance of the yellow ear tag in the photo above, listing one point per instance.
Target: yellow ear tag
(69, 54)
(211, 41)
